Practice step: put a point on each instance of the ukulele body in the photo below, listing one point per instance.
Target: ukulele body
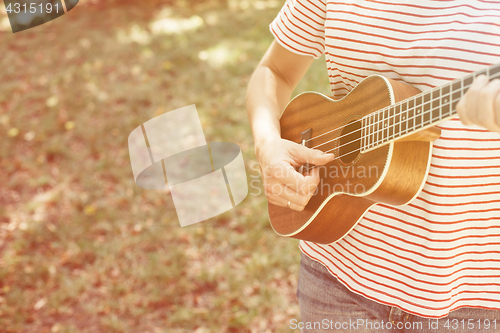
(392, 174)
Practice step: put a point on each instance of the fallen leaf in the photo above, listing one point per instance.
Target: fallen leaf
(89, 210)
(13, 132)
(40, 304)
(69, 125)
(52, 101)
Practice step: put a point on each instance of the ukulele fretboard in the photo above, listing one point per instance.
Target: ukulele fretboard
(418, 112)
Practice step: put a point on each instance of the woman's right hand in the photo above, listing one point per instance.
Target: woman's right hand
(278, 159)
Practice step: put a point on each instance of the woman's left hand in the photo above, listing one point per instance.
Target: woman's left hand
(481, 104)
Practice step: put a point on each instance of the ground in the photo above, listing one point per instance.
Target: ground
(82, 248)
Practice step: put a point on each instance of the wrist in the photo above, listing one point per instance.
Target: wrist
(265, 139)
(264, 142)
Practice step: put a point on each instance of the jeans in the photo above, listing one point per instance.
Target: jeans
(326, 305)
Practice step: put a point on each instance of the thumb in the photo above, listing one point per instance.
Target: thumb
(302, 155)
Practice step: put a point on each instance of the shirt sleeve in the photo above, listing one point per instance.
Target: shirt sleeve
(300, 27)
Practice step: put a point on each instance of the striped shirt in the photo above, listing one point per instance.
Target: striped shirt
(441, 251)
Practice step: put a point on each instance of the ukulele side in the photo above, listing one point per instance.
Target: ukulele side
(345, 192)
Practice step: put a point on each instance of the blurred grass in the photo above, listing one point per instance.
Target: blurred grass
(82, 249)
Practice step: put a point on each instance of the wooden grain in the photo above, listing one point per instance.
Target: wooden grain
(404, 169)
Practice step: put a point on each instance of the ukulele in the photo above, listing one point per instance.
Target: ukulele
(381, 134)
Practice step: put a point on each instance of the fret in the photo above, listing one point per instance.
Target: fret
(407, 116)
(370, 131)
(381, 127)
(419, 114)
(456, 88)
(373, 130)
(367, 130)
(436, 103)
(441, 101)
(441, 115)
(377, 128)
(494, 71)
(404, 119)
(445, 101)
(364, 133)
(395, 124)
(391, 123)
(466, 82)
(427, 110)
(377, 123)
(362, 138)
(397, 119)
(385, 121)
(372, 117)
(384, 126)
(410, 115)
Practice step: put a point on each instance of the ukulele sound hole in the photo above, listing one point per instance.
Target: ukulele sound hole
(350, 142)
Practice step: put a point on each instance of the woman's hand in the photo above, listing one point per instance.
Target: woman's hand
(278, 159)
(481, 104)
(269, 91)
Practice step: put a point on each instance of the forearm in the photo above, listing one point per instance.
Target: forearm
(270, 89)
(267, 95)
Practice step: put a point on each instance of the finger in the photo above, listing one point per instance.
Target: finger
(276, 186)
(286, 175)
(302, 155)
(461, 110)
(293, 206)
(486, 106)
(296, 207)
(470, 111)
(497, 109)
(314, 176)
(280, 195)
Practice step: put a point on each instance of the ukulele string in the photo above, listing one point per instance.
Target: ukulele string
(378, 112)
(415, 115)
(375, 133)
(375, 114)
(359, 149)
(491, 77)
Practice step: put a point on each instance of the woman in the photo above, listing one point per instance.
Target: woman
(438, 257)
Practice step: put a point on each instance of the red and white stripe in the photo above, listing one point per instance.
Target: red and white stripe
(442, 251)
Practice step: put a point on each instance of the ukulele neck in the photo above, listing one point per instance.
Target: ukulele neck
(417, 113)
